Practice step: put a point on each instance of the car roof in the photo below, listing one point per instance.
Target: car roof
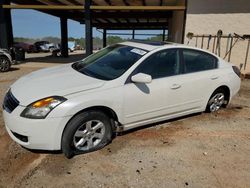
(148, 45)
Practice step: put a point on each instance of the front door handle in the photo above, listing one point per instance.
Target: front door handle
(175, 86)
(214, 77)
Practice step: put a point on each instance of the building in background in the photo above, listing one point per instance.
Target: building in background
(230, 16)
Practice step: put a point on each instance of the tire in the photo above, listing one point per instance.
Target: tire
(5, 64)
(216, 101)
(86, 132)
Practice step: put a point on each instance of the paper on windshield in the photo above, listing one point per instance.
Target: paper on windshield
(138, 51)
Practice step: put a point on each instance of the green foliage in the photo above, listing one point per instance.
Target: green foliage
(114, 39)
(54, 40)
(97, 42)
(156, 38)
(22, 39)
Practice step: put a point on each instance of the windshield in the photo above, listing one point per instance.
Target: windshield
(109, 63)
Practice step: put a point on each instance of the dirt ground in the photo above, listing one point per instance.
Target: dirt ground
(203, 150)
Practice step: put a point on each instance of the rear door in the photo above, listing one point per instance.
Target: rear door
(199, 78)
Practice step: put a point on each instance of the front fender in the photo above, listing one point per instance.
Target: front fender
(111, 98)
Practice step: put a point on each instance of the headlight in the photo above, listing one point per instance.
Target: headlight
(40, 109)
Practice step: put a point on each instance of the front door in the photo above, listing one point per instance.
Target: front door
(144, 101)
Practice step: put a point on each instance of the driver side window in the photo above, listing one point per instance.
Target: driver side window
(161, 64)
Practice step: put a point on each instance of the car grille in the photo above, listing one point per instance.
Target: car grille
(10, 102)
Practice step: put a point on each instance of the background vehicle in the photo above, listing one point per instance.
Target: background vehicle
(78, 107)
(5, 60)
(29, 48)
(71, 46)
(44, 46)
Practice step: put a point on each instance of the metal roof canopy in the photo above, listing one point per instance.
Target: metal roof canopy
(110, 14)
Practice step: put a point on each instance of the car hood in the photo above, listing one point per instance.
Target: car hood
(60, 81)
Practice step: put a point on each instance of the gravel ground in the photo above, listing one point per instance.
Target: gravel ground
(202, 150)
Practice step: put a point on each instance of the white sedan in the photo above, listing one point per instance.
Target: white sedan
(78, 107)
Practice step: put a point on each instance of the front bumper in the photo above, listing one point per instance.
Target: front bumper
(42, 134)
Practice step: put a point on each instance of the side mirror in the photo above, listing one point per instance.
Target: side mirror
(141, 78)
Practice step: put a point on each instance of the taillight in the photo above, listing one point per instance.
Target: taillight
(236, 70)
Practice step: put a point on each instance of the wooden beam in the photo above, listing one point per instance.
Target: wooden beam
(126, 3)
(161, 1)
(94, 7)
(44, 7)
(142, 8)
(131, 25)
(108, 2)
(74, 2)
(136, 15)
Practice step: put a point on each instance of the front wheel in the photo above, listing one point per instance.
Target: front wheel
(86, 132)
(216, 101)
(4, 64)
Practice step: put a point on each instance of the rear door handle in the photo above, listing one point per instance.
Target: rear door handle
(175, 86)
(214, 77)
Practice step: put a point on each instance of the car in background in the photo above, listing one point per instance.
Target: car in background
(27, 47)
(78, 107)
(5, 60)
(71, 46)
(44, 46)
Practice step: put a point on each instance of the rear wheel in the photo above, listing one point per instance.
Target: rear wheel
(86, 132)
(4, 64)
(216, 101)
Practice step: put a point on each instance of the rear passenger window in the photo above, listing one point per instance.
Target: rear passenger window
(195, 61)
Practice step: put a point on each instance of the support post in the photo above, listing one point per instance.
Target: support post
(6, 33)
(104, 38)
(64, 37)
(88, 28)
(248, 46)
(163, 34)
(133, 34)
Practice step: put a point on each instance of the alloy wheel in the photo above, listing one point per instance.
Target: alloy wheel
(89, 135)
(216, 102)
(4, 64)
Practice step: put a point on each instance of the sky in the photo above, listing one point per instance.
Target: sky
(34, 24)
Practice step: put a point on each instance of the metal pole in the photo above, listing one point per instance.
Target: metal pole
(230, 49)
(202, 40)
(208, 41)
(64, 37)
(88, 28)
(214, 43)
(163, 34)
(245, 65)
(227, 43)
(133, 34)
(104, 38)
(219, 43)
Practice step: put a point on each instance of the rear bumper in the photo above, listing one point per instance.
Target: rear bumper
(235, 82)
(42, 134)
